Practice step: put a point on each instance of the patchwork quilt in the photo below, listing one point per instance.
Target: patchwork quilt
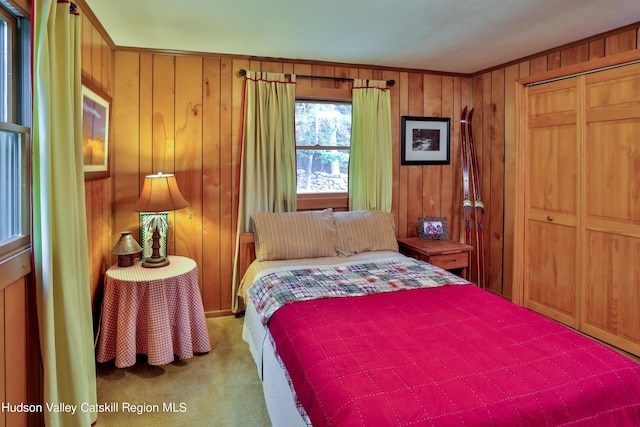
(279, 287)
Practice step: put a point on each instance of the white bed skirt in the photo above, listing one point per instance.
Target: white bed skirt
(277, 393)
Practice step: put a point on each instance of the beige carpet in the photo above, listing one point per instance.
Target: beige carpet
(220, 388)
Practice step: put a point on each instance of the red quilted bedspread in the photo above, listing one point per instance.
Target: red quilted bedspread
(449, 356)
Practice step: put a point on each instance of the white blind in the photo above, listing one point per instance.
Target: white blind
(10, 186)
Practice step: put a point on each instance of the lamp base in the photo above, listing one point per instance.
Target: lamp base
(153, 262)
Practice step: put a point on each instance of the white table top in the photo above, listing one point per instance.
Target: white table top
(137, 273)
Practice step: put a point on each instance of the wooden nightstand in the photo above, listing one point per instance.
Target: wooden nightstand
(447, 254)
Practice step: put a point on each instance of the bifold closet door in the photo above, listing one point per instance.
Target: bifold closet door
(552, 173)
(611, 288)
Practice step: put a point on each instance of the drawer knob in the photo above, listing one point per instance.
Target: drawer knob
(549, 218)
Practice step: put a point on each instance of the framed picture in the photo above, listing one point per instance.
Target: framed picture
(96, 110)
(425, 140)
(146, 233)
(433, 227)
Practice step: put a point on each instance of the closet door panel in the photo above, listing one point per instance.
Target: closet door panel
(612, 289)
(612, 161)
(613, 93)
(552, 104)
(553, 166)
(551, 271)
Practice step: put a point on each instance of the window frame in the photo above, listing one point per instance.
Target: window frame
(12, 66)
(339, 201)
(15, 253)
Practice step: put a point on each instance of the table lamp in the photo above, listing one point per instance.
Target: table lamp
(160, 193)
(126, 247)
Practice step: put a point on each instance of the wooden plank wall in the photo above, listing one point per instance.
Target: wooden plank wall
(495, 118)
(97, 67)
(182, 114)
(14, 361)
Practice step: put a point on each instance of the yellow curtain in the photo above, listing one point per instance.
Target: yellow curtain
(60, 248)
(268, 164)
(370, 162)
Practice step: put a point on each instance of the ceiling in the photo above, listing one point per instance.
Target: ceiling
(457, 36)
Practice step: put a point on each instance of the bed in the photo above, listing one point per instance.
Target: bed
(368, 337)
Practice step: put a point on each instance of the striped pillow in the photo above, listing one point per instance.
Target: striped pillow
(292, 235)
(362, 231)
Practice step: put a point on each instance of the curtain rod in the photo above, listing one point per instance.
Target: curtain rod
(243, 73)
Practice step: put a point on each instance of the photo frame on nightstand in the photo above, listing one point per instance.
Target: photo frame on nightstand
(146, 233)
(433, 227)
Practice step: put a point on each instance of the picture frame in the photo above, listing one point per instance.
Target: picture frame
(146, 234)
(425, 140)
(433, 227)
(96, 115)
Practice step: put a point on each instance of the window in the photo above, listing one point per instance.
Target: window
(15, 117)
(14, 187)
(323, 137)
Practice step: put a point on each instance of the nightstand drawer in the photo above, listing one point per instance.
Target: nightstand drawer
(446, 254)
(449, 261)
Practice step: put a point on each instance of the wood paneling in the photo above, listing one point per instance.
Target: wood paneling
(96, 66)
(16, 341)
(151, 102)
(493, 164)
(211, 165)
(190, 108)
(574, 55)
(621, 42)
(189, 155)
(14, 361)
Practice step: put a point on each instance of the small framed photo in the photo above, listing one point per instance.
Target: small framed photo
(96, 110)
(425, 140)
(433, 227)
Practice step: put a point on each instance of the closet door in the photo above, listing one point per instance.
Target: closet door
(612, 207)
(552, 188)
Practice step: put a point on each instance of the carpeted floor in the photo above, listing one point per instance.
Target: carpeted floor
(220, 388)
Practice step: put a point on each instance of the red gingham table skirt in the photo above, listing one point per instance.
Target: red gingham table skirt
(152, 311)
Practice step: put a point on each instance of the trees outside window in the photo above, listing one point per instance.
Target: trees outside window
(323, 137)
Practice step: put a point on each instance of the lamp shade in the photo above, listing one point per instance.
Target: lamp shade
(160, 193)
